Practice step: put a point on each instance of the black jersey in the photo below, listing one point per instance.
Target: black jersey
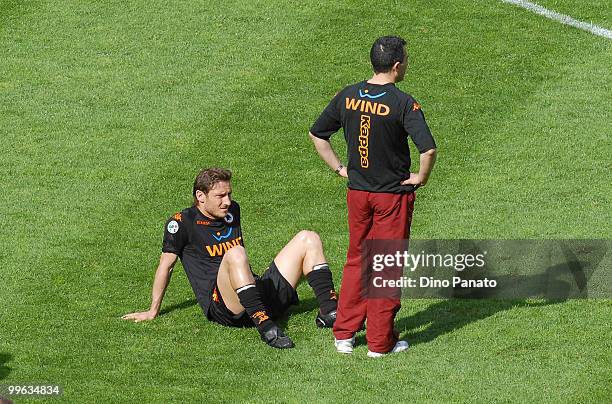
(377, 119)
(201, 243)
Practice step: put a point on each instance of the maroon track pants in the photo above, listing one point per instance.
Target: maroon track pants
(370, 216)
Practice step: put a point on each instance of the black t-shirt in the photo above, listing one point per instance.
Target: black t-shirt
(201, 243)
(377, 119)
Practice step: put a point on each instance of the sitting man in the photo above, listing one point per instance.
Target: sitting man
(208, 239)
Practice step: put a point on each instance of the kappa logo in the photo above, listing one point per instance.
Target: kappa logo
(261, 316)
(173, 227)
(364, 134)
(179, 217)
(416, 106)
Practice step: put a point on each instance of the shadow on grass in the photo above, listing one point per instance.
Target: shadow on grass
(4, 369)
(449, 315)
(179, 306)
(304, 306)
(554, 284)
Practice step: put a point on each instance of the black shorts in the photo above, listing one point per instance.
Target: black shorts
(275, 291)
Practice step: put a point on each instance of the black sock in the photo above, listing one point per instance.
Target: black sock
(251, 301)
(320, 280)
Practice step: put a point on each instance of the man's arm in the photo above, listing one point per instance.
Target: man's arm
(426, 163)
(162, 278)
(327, 153)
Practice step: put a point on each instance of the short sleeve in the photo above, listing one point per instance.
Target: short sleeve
(414, 123)
(329, 122)
(175, 235)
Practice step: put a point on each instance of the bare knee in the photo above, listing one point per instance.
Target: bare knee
(236, 256)
(236, 264)
(309, 238)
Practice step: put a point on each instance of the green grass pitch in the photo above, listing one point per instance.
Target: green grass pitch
(109, 108)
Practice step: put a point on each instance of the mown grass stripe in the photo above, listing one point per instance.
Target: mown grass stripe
(562, 18)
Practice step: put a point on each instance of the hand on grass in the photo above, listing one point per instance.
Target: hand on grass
(140, 316)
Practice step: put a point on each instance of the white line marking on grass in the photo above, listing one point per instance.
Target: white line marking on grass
(562, 18)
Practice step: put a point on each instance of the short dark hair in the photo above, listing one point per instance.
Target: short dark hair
(207, 178)
(385, 52)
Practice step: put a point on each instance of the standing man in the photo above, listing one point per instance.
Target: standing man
(208, 239)
(377, 119)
